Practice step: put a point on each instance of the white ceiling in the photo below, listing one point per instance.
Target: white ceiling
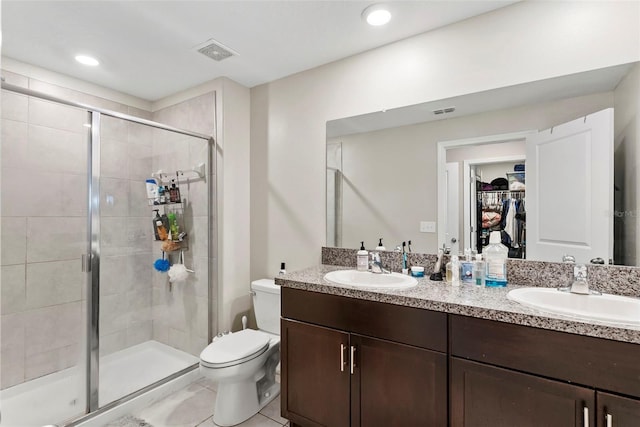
(146, 48)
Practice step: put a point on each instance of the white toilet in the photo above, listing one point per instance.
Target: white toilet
(244, 363)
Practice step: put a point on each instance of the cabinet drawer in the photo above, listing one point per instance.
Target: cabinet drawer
(595, 362)
(407, 325)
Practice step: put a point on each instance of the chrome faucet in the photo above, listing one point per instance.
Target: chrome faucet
(580, 285)
(375, 265)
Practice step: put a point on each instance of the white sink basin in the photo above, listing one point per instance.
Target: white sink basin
(371, 280)
(605, 307)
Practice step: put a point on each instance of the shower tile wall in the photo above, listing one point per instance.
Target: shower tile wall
(126, 235)
(180, 315)
(43, 196)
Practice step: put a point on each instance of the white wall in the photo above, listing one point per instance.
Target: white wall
(521, 43)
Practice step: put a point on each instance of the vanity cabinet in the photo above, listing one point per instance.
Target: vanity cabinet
(484, 395)
(517, 375)
(345, 364)
(617, 411)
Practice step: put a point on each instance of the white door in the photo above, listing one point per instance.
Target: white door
(453, 208)
(569, 199)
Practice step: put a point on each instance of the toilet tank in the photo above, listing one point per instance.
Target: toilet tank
(266, 303)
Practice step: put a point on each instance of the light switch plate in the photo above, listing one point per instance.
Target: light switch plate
(427, 227)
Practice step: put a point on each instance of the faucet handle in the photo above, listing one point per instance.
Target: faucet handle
(580, 272)
(569, 258)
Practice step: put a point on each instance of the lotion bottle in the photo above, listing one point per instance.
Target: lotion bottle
(362, 258)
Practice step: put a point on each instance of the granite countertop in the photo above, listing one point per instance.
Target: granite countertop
(467, 300)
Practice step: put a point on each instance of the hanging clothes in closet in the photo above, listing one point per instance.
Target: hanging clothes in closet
(514, 214)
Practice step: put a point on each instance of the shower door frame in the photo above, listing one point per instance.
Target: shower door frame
(91, 260)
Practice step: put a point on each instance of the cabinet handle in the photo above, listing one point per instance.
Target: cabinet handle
(585, 416)
(353, 358)
(342, 361)
(608, 418)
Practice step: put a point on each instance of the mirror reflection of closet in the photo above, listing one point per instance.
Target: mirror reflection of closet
(499, 194)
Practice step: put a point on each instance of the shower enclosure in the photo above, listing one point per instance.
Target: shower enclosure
(86, 321)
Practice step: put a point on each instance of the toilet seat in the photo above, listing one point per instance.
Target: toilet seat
(235, 348)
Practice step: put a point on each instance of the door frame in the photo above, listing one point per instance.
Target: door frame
(441, 156)
(469, 194)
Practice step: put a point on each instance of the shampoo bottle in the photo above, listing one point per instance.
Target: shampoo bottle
(161, 229)
(152, 192)
(362, 258)
(496, 255)
(156, 218)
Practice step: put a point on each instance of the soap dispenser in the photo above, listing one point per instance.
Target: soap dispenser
(380, 246)
(362, 258)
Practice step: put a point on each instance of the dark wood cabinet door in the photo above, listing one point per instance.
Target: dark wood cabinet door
(617, 411)
(397, 385)
(315, 385)
(483, 396)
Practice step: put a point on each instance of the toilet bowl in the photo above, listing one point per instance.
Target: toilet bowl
(244, 363)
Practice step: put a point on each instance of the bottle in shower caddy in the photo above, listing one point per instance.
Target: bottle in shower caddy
(161, 195)
(167, 194)
(156, 219)
(496, 255)
(161, 230)
(174, 192)
(173, 226)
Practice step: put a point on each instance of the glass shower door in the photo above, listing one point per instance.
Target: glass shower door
(149, 327)
(44, 185)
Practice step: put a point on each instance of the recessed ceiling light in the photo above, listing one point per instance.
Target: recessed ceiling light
(376, 15)
(87, 60)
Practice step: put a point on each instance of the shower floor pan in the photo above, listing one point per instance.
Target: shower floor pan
(56, 397)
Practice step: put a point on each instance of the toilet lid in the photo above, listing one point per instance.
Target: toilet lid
(234, 348)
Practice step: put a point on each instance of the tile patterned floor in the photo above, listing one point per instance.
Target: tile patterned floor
(193, 407)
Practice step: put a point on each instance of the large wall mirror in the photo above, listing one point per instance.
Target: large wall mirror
(424, 172)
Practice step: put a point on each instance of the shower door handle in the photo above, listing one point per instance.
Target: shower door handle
(85, 259)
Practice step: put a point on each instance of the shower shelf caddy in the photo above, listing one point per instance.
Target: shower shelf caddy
(177, 208)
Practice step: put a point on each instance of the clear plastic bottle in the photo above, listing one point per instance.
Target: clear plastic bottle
(496, 255)
(478, 270)
(453, 271)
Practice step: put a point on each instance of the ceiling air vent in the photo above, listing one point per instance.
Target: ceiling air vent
(444, 110)
(214, 50)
